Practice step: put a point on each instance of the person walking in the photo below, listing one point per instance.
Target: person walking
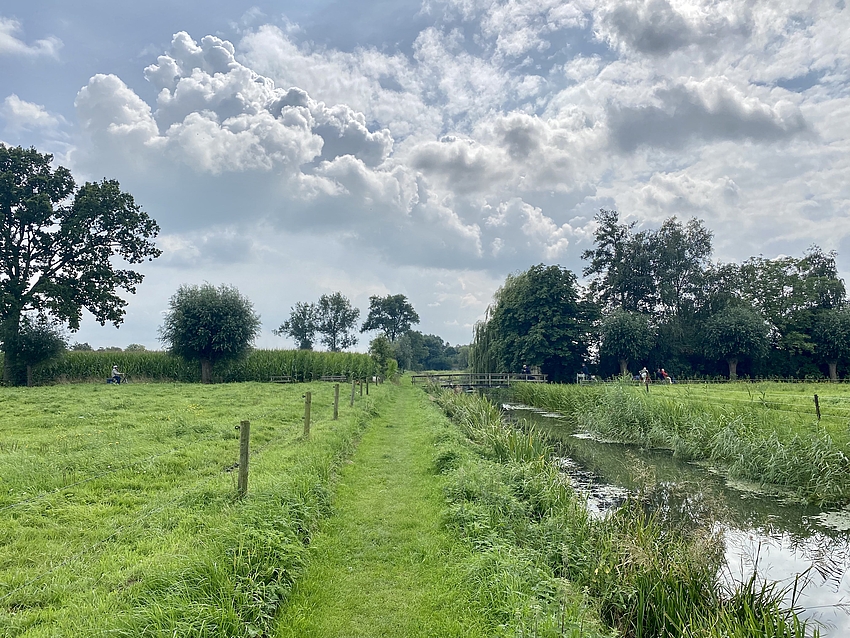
(644, 377)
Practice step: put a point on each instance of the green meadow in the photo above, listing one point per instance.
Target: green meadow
(119, 508)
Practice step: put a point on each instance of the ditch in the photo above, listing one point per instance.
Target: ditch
(782, 539)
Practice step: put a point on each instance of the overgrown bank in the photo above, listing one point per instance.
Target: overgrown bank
(748, 439)
(630, 571)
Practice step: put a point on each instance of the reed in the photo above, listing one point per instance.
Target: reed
(640, 576)
(764, 436)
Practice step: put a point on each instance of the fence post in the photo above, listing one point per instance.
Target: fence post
(336, 401)
(361, 387)
(308, 400)
(367, 386)
(244, 436)
(352, 392)
(817, 407)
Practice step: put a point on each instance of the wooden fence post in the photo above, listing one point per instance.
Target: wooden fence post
(352, 392)
(308, 400)
(336, 401)
(361, 387)
(367, 387)
(817, 407)
(244, 436)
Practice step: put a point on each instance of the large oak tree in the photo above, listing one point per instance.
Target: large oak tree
(58, 245)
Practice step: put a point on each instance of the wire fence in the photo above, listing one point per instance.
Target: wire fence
(144, 515)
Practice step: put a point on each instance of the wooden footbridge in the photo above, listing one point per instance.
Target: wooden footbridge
(473, 380)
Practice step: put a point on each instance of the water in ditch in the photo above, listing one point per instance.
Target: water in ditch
(781, 538)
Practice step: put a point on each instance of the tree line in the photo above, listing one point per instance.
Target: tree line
(655, 298)
(59, 244)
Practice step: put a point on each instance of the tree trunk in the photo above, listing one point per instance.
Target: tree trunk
(206, 371)
(833, 372)
(624, 366)
(733, 366)
(29, 376)
(9, 332)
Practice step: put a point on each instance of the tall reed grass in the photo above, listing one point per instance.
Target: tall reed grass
(747, 439)
(642, 577)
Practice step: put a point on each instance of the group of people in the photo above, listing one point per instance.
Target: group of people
(661, 374)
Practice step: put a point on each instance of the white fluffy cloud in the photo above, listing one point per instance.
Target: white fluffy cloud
(21, 115)
(490, 143)
(11, 44)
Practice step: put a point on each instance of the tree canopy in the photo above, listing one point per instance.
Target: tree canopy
(832, 338)
(735, 333)
(57, 244)
(538, 319)
(393, 315)
(209, 324)
(626, 336)
(39, 341)
(336, 320)
(301, 325)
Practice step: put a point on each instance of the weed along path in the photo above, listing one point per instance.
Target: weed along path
(383, 564)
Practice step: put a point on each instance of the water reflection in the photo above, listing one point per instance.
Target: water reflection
(782, 538)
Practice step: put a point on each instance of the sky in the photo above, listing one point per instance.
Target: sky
(430, 148)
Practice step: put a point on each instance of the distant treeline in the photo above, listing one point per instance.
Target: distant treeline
(655, 298)
(259, 365)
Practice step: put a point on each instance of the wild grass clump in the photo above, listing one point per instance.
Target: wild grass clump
(630, 570)
(752, 440)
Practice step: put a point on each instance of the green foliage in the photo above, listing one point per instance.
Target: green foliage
(832, 336)
(335, 321)
(209, 324)
(735, 333)
(38, 342)
(626, 336)
(393, 315)
(417, 351)
(301, 325)
(771, 442)
(539, 319)
(642, 577)
(258, 365)
(150, 540)
(381, 352)
(60, 243)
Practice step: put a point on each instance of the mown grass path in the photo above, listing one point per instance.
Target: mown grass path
(383, 564)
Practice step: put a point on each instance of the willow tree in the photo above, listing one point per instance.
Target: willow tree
(832, 339)
(733, 334)
(209, 324)
(626, 336)
(538, 319)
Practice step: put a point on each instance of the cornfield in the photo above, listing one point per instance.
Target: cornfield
(259, 365)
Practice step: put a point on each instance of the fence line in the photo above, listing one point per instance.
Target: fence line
(108, 472)
(145, 514)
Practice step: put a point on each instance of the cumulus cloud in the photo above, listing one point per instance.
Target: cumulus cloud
(658, 27)
(710, 110)
(21, 115)
(11, 44)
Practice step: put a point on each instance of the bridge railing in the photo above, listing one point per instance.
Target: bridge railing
(483, 379)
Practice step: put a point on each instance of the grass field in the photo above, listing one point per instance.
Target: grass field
(119, 514)
(765, 432)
